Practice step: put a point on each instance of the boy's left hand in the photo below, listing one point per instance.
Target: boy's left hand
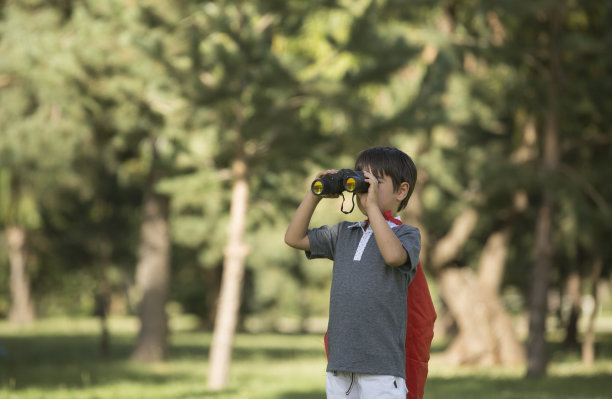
(371, 200)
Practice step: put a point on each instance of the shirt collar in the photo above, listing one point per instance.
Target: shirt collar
(392, 221)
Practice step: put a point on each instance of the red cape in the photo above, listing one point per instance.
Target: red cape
(419, 334)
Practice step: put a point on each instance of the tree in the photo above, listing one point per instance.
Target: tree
(537, 47)
(122, 86)
(41, 126)
(544, 45)
(254, 126)
(231, 90)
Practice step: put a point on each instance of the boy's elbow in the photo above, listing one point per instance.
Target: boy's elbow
(291, 241)
(397, 260)
(288, 240)
(297, 243)
(395, 263)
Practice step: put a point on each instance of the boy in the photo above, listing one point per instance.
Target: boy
(367, 314)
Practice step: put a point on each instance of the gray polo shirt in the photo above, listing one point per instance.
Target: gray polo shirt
(367, 310)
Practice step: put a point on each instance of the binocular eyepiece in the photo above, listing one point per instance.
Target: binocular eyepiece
(350, 180)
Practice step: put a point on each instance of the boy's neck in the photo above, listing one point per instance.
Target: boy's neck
(388, 215)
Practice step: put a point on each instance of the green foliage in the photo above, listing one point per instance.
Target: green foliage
(42, 123)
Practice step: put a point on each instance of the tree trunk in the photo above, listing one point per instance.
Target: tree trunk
(21, 311)
(231, 282)
(445, 251)
(450, 245)
(102, 306)
(491, 268)
(474, 344)
(486, 334)
(588, 345)
(538, 304)
(493, 261)
(573, 296)
(213, 279)
(153, 276)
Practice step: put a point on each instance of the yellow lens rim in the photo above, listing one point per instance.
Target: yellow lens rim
(350, 184)
(317, 187)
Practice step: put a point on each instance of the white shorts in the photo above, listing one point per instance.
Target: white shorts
(340, 385)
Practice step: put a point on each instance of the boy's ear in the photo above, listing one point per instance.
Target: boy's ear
(402, 191)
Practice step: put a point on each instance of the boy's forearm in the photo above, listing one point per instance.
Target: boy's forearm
(391, 248)
(297, 232)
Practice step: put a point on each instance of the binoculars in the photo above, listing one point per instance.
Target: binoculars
(350, 180)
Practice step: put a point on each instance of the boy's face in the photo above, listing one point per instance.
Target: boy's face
(388, 198)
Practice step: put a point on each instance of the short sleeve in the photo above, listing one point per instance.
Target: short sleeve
(323, 241)
(410, 237)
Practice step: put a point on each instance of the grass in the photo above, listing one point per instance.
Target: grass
(59, 359)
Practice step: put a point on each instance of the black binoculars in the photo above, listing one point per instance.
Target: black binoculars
(350, 180)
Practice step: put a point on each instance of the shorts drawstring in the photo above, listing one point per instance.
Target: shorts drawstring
(350, 386)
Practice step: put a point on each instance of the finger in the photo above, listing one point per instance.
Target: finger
(326, 172)
(370, 178)
(369, 175)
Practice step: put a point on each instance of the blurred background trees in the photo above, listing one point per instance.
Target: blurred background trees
(151, 155)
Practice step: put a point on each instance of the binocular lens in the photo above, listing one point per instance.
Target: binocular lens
(317, 187)
(350, 184)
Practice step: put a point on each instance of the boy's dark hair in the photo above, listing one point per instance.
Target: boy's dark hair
(391, 162)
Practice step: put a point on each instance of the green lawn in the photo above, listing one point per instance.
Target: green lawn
(59, 359)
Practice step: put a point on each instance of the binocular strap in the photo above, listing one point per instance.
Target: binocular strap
(342, 206)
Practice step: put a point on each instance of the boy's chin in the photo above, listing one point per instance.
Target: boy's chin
(362, 209)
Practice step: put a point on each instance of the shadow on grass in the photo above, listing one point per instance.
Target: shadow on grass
(69, 361)
(314, 394)
(74, 361)
(263, 346)
(201, 352)
(473, 387)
